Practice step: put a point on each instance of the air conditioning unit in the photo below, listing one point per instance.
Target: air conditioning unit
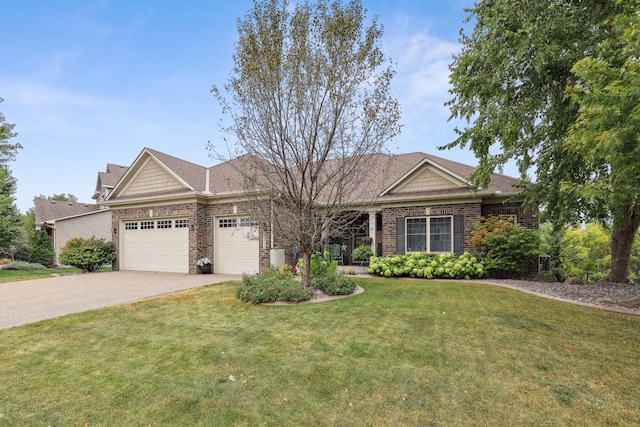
(544, 263)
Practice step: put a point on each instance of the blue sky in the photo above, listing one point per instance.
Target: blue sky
(92, 82)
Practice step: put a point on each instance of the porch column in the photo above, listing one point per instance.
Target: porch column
(372, 230)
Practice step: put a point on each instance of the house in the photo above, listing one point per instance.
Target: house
(64, 220)
(166, 213)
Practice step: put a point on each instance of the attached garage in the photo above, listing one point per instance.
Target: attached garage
(237, 246)
(155, 245)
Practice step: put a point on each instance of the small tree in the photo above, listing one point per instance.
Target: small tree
(503, 246)
(312, 109)
(88, 255)
(42, 251)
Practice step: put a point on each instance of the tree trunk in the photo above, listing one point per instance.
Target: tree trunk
(622, 237)
(306, 272)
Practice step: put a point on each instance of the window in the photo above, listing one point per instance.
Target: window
(248, 222)
(130, 225)
(416, 234)
(147, 225)
(164, 223)
(182, 223)
(227, 223)
(429, 234)
(440, 234)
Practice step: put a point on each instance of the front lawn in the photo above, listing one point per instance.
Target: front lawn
(19, 275)
(405, 352)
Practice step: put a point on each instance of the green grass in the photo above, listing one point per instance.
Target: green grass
(404, 353)
(20, 275)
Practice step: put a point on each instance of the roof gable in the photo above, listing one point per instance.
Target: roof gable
(151, 177)
(155, 172)
(427, 177)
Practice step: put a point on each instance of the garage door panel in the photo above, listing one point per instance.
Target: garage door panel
(156, 249)
(237, 247)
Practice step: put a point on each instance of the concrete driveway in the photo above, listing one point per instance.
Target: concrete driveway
(33, 300)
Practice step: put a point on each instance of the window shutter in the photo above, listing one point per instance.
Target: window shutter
(400, 235)
(458, 234)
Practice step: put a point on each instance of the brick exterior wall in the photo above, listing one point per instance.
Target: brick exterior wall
(524, 218)
(201, 223)
(470, 211)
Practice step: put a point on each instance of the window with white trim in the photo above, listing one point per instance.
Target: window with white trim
(147, 225)
(429, 234)
(131, 225)
(165, 223)
(182, 223)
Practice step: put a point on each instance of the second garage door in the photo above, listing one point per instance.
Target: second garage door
(156, 245)
(237, 246)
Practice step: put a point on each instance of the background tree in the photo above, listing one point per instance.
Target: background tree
(7, 151)
(509, 84)
(10, 221)
(42, 251)
(9, 215)
(310, 106)
(62, 197)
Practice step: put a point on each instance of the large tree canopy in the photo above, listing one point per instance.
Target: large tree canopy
(310, 105)
(510, 83)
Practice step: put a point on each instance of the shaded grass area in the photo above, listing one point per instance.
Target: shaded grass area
(403, 353)
(20, 275)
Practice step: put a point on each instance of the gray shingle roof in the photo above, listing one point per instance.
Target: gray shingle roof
(47, 210)
(226, 177)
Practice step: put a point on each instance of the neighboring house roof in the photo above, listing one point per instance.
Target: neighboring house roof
(109, 178)
(397, 177)
(50, 210)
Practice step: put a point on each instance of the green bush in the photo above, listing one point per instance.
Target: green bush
(334, 283)
(503, 246)
(422, 265)
(24, 266)
(88, 255)
(321, 264)
(272, 286)
(42, 251)
(362, 253)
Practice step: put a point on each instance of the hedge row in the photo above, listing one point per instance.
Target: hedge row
(442, 266)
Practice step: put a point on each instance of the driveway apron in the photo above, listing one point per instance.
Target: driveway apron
(33, 300)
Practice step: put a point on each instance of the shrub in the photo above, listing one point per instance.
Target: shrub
(272, 286)
(21, 253)
(42, 251)
(321, 264)
(88, 255)
(334, 283)
(4, 261)
(504, 246)
(362, 253)
(423, 265)
(24, 266)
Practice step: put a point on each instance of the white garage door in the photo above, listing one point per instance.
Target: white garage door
(237, 246)
(156, 245)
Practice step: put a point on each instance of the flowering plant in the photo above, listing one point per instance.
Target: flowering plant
(204, 261)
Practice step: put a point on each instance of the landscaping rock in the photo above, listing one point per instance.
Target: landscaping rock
(634, 303)
(604, 300)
